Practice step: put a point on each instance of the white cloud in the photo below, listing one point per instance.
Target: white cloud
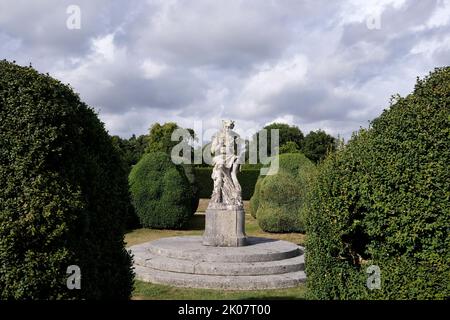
(152, 69)
(428, 47)
(269, 81)
(310, 63)
(441, 15)
(359, 11)
(104, 47)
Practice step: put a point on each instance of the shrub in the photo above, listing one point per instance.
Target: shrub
(279, 204)
(161, 192)
(384, 200)
(280, 201)
(63, 194)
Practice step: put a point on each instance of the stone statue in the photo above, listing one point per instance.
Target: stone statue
(225, 217)
(225, 146)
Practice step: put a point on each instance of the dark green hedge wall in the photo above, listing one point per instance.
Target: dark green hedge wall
(63, 194)
(384, 200)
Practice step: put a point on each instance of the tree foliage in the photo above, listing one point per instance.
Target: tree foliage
(289, 147)
(132, 149)
(160, 138)
(317, 144)
(287, 133)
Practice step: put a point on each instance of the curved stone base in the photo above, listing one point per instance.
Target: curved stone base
(183, 261)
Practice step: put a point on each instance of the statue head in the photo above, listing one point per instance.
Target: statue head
(228, 124)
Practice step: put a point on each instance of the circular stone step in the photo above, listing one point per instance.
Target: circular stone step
(191, 248)
(261, 282)
(185, 262)
(220, 268)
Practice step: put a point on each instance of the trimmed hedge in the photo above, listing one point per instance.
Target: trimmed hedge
(280, 204)
(162, 194)
(63, 194)
(384, 200)
(254, 200)
(190, 175)
(279, 200)
(247, 179)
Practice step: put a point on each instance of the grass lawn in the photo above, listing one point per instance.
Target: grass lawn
(196, 226)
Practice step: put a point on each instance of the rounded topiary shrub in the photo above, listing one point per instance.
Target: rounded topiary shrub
(161, 192)
(280, 202)
(383, 201)
(63, 194)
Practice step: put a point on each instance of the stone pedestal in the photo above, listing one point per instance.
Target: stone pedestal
(185, 262)
(224, 227)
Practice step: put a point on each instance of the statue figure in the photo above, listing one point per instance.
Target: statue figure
(226, 147)
(225, 216)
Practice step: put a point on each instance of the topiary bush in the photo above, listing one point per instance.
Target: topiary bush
(280, 201)
(63, 194)
(384, 200)
(161, 192)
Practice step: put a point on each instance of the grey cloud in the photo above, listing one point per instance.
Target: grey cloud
(41, 25)
(212, 49)
(168, 92)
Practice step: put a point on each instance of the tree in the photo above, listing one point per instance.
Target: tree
(317, 144)
(286, 133)
(132, 149)
(160, 138)
(289, 147)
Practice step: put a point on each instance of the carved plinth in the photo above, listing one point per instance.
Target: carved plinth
(224, 227)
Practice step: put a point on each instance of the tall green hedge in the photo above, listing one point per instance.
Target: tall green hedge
(247, 179)
(254, 200)
(63, 194)
(279, 201)
(384, 201)
(162, 194)
(190, 175)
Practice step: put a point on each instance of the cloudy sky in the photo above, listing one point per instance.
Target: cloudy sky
(331, 65)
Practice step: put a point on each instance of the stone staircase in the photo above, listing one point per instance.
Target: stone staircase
(185, 262)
